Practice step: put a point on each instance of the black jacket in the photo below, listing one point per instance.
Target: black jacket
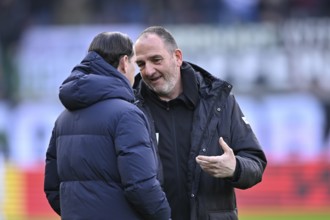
(217, 115)
(100, 163)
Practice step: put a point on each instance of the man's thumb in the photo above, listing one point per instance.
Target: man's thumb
(223, 145)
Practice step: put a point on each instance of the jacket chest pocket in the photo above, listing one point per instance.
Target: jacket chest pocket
(219, 130)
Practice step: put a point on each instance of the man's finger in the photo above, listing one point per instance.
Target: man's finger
(201, 158)
(224, 145)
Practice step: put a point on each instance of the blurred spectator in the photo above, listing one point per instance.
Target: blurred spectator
(73, 12)
(238, 11)
(13, 20)
(128, 11)
(208, 11)
(274, 10)
(309, 8)
(322, 94)
(42, 12)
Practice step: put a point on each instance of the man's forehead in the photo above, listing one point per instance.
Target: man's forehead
(149, 39)
(149, 46)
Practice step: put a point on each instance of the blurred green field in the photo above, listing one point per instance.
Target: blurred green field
(273, 215)
(264, 215)
(286, 217)
(245, 214)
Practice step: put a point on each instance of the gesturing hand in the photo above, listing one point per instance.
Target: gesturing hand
(219, 166)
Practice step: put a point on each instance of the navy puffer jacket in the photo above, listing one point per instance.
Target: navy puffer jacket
(100, 163)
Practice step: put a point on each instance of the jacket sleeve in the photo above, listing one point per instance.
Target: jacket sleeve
(51, 179)
(137, 166)
(249, 154)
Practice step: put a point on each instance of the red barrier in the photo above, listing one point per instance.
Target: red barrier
(290, 185)
(305, 185)
(36, 203)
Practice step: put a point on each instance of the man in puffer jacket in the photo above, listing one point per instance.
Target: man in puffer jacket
(100, 163)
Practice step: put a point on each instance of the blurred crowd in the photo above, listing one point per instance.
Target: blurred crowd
(161, 11)
(17, 15)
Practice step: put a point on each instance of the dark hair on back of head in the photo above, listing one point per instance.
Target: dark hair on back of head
(111, 46)
(164, 34)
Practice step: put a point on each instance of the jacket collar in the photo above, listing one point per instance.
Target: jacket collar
(190, 93)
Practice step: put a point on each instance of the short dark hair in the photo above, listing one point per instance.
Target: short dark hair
(164, 34)
(111, 46)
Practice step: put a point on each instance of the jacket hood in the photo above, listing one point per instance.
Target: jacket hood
(91, 81)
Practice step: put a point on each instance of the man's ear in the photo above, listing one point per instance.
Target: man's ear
(123, 64)
(178, 56)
